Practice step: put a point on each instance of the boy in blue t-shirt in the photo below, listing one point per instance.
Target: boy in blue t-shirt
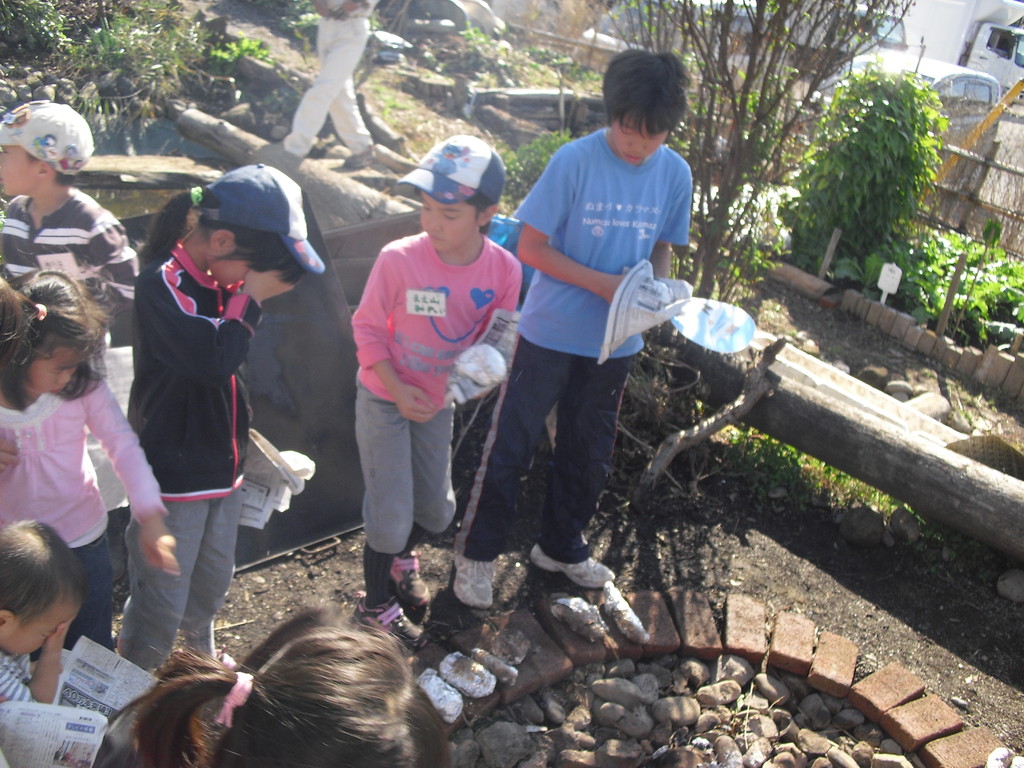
(604, 203)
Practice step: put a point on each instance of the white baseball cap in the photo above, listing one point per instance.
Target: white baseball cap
(51, 132)
(457, 168)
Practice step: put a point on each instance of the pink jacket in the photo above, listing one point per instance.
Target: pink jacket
(420, 312)
(54, 481)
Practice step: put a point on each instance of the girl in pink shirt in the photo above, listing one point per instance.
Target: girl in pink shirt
(50, 397)
(428, 297)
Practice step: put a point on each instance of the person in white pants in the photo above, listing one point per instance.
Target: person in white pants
(341, 38)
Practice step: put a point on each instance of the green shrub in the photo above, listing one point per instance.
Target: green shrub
(223, 58)
(153, 43)
(525, 165)
(36, 24)
(873, 158)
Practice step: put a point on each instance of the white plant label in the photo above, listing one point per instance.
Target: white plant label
(889, 280)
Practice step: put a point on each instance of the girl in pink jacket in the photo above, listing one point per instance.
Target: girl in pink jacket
(50, 399)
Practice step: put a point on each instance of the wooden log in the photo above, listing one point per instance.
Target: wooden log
(337, 198)
(144, 172)
(517, 132)
(939, 484)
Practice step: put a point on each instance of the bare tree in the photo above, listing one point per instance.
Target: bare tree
(756, 67)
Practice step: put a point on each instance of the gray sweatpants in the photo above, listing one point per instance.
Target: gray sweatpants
(161, 604)
(407, 471)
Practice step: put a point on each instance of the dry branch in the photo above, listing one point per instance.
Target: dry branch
(757, 386)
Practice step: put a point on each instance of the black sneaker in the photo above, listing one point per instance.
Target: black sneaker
(409, 587)
(390, 618)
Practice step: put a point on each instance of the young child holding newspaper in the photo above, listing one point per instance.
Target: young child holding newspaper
(604, 203)
(42, 585)
(428, 298)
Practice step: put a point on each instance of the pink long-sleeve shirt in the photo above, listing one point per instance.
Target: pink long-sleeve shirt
(420, 312)
(54, 481)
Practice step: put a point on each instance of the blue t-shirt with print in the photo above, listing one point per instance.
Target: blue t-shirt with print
(606, 214)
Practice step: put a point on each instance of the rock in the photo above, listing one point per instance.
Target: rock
(1011, 585)
(762, 726)
(862, 753)
(731, 667)
(44, 93)
(504, 744)
(465, 753)
(886, 760)
(890, 745)
(999, 758)
(757, 753)
(676, 710)
(619, 690)
(528, 709)
(812, 743)
(576, 759)
(771, 688)
(578, 718)
(847, 718)
(706, 722)
(724, 692)
(647, 684)
(621, 668)
(680, 758)
(899, 390)
(841, 759)
(662, 674)
(874, 375)
(537, 760)
(632, 722)
(862, 527)
(554, 712)
(616, 753)
(691, 674)
(905, 526)
(869, 732)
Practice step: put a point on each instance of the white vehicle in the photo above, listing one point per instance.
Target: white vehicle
(979, 34)
(967, 95)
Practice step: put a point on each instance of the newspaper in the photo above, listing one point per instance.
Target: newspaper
(501, 334)
(641, 302)
(98, 679)
(271, 479)
(34, 735)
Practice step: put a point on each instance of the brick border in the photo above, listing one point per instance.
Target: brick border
(894, 697)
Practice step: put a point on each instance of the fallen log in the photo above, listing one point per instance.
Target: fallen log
(144, 172)
(337, 199)
(910, 466)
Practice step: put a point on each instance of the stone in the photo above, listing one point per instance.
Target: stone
(905, 526)
(814, 709)
(841, 759)
(504, 744)
(680, 758)
(887, 760)
(572, 758)
(1010, 585)
(661, 674)
(900, 390)
(847, 718)
(717, 694)
(862, 753)
(618, 690)
(632, 722)
(530, 710)
(676, 710)
(862, 527)
(732, 667)
(960, 750)
(727, 752)
(621, 668)
(616, 753)
(812, 743)
(647, 685)
(465, 753)
(554, 712)
(874, 375)
(690, 675)
(762, 726)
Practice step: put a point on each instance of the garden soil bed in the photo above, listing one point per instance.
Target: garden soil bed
(931, 606)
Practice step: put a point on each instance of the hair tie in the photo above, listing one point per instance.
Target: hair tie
(196, 194)
(237, 697)
(40, 311)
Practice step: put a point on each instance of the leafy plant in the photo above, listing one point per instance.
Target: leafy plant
(989, 306)
(525, 165)
(873, 159)
(152, 43)
(36, 24)
(223, 58)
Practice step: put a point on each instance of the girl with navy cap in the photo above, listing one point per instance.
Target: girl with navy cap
(214, 254)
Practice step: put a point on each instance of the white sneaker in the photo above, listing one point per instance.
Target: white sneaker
(589, 573)
(474, 580)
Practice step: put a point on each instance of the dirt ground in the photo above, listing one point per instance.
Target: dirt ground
(932, 607)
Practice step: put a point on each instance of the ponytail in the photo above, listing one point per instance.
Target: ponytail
(263, 251)
(13, 308)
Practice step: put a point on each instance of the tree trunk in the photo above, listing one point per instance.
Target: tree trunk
(937, 483)
(337, 198)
